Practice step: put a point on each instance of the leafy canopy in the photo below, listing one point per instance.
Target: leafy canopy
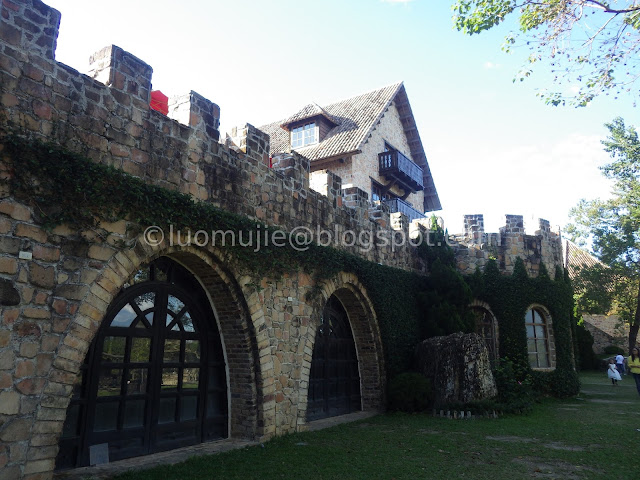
(590, 42)
(613, 226)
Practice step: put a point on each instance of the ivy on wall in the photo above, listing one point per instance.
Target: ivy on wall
(67, 188)
(509, 298)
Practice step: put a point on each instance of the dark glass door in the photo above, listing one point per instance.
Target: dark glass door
(154, 378)
(334, 383)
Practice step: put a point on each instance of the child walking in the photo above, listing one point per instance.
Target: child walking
(612, 372)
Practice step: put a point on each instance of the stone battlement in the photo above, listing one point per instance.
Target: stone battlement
(106, 116)
(474, 247)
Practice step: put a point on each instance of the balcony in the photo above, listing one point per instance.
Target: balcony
(399, 205)
(396, 166)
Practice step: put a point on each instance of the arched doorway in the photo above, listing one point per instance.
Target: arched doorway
(154, 376)
(334, 382)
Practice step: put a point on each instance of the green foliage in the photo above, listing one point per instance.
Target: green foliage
(444, 303)
(509, 298)
(68, 188)
(409, 392)
(584, 339)
(613, 225)
(515, 387)
(584, 42)
(613, 350)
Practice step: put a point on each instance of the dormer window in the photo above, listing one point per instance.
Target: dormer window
(304, 135)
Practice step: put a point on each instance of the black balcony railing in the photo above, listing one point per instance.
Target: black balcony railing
(399, 205)
(395, 165)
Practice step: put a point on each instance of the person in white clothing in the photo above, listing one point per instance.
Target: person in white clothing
(612, 372)
(620, 364)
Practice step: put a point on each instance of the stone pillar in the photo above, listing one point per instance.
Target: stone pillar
(295, 169)
(474, 228)
(124, 72)
(30, 25)
(358, 200)
(255, 143)
(327, 183)
(514, 224)
(196, 111)
(544, 227)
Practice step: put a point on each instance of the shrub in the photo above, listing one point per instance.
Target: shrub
(588, 359)
(410, 392)
(515, 387)
(613, 350)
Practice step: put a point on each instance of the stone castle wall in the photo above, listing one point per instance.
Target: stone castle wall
(56, 286)
(475, 247)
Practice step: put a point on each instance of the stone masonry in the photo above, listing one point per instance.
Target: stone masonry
(475, 247)
(57, 285)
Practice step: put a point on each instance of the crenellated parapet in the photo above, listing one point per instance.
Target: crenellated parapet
(475, 247)
(106, 117)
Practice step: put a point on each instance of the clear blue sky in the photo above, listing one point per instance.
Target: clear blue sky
(492, 146)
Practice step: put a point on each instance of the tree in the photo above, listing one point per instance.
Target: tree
(592, 42)
(613, 226)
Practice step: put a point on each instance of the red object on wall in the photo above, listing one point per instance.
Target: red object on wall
(159, 102)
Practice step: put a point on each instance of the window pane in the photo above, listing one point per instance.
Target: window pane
(175, 304)
(541, 347)
(106, 417)
(533, 360)
(134, 413)
(113, 349)
(140, 348)
(531, 345)
(537, 317)
(137, 382)
(529, 331)
(192, 351)
(187, 323)
(125, 317)
(145, 301)
(216, 404)
(543, 361)
(190, 377)
(169, 378)
(188, 408)
(171, 350)
(109, 382)
(167, 410)
(528, 318)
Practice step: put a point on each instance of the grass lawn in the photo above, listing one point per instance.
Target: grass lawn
(593, 436)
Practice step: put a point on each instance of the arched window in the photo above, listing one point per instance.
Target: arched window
(486, 327)
(154, 377)
(537, 338)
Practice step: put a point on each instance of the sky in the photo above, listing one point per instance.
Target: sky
(493, 147)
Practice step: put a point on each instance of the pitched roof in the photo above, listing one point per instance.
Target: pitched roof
(310, 111)
(355, 118)
(576, 258)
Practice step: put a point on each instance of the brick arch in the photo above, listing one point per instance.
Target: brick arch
(366, 333)
(231, 304)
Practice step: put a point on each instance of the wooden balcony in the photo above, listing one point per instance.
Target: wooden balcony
(399, 205)
(394, 165)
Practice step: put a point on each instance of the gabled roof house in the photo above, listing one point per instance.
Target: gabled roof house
(371, 141)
